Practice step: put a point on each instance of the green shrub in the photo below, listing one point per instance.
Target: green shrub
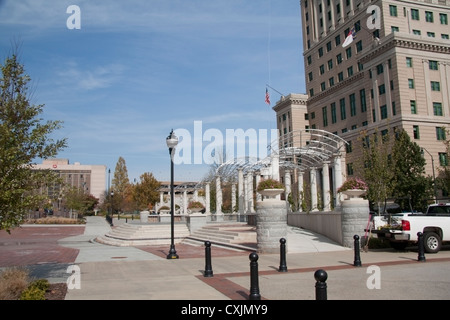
(12, 282)
(33, 293)
(41, 284)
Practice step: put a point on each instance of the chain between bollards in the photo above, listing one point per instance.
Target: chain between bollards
(321, 285)
(254, 284)
(357, 261)
(421, 256)
(208, 266)
(283, 266)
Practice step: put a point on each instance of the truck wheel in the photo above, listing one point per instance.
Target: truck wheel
(398, 245)
(432, 242)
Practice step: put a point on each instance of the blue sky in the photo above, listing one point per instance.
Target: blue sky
(137, 69)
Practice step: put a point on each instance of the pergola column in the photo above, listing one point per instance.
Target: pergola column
(185, 204)
(218, 196)
(287, 184)
(326, 186)
(233, 196)
(161, 198)
(245, 193)
(300, 190)
(337, 178)
(313, 178)
(207, 198)
(258, 180)
(241, 191)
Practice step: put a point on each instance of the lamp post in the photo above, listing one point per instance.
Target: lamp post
(172, 141)
(112, 206)
(434, 177)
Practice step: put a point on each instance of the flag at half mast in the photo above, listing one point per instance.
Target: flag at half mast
(267, 97)
(351, 35)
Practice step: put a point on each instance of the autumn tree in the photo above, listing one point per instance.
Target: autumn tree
(375, 167)
(24, 137)
(120, 184)
(443, 179)
(146, 191)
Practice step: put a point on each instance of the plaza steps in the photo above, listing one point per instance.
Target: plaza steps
(240, 236)
(135, 234)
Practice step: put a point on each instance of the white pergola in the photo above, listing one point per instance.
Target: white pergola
(311, 150)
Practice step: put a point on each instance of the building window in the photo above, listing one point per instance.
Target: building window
(435, 86)
(393, 10)
(348, 53)
(350, 169)
(440, 133)
(325, 116)
(337, 40)
(444, 36)
(379, 68)
(342, 105)
(331, 81)
(383, 112)
(339, 58)
(409, 62)
(309, 60)
(417, 32)
(437, 109)
(433, 65)
(350, 71)
(322, 86)
(415, 14)
(431, 34)
(329, 46)
(349, 147)
(310, 76)
(352, 105)
(365, 124)
(394, 29)
(362, 96)
(340, 76)
(333, 113)
(330, 64)
(311, 92)
(359, 46)
(411, 83)
(443, 159)
(416, 132)
(429, 16)
(381, 89)
(413, 105)
(443, 18)
(322, 69)
(320, 52)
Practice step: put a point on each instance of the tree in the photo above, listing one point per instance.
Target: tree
(77, 199)
(375, 167)
(24, 137)
(120, 184)
(443, 180)
(146, 192)
(411, 187)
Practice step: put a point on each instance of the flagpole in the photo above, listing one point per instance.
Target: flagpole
(274, 90)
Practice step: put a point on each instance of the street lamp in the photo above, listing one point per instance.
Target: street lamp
(434, 177)
(172, 141)
(112, 206)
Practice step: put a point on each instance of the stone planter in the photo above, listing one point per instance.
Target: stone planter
(144, 216)
(196, 210)
(271, 193)
(354, 193)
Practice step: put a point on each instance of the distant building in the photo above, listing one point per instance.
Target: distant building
(89, 178)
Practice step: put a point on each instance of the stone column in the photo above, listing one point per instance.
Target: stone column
(326, 187)
(233, 197)
(246, 193)
(218, 199)
(241, 191)
(355, 214)
(185, 204)
(275, 164)
(251, 200)
(387, 87)
(288, 189)
(271, 225)
(313, 178)
(258, 180)
(161, 198)
(207, 198)
(300, 190)
(337, 179)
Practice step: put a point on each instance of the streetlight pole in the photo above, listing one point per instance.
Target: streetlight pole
(172, 141)
(434, 177)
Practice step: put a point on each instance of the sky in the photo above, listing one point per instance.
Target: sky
(121, 75)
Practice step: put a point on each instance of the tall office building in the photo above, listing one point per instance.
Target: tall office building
(395, 73)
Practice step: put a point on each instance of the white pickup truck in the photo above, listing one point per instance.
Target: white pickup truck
(403, 228)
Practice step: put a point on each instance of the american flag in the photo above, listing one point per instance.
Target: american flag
(267, 97)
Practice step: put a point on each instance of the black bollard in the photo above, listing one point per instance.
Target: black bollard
(421, 256)
(357, 261)
(254, 286)
(321, 285)
(208, 267)
(283, 266)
